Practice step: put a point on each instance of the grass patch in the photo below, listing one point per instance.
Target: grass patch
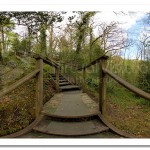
(128, 112)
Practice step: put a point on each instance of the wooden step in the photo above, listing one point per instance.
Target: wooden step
(64, 84)
(69, 87)
(60, 117)
(60, 78)
(71, 128)
(61, 81)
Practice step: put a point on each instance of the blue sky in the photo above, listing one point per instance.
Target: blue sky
(134, 33)
(130, 21)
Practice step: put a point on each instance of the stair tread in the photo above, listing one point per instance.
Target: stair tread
(64, 80)
(71, 128)
(64, 83)
(69, 87)
(71, 116)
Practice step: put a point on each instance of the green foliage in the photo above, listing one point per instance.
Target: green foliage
(24, 45)
(82, 26)
(16, 44)
(144, 75)
(34, 20)
(43, 49)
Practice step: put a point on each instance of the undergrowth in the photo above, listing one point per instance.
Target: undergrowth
(128, 111)
(125, 110)
(17, 108)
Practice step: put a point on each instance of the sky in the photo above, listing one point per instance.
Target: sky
(127, 19)
(130, 22)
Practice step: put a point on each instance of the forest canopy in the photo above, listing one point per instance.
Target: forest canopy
(77, 38)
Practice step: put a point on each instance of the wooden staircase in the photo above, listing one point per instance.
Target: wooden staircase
(64, 84)
(70, 122)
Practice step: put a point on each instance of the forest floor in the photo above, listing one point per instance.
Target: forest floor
(17, 108)
(129, 112)
(126, 111)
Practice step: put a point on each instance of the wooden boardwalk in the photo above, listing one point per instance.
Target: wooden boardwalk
(70, 113)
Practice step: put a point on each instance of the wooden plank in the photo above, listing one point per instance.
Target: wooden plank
(90, 115)
(102, 87)
(19, 82)
(114, 129)
(84, 79)
(64, 69)
(39, 88)
(57, 79)
(94, 62)
(128, 85)
(72, 128)
(45, 60)
(69, 87)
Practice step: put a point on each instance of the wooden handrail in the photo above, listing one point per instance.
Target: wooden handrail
(94, 62)
(19, 82)
(45, 60)
(127, 85)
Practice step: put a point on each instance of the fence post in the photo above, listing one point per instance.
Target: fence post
(84, 77)
(102, 85)
(75, 76)
(39, 87)
(64, 68)
(57, 78)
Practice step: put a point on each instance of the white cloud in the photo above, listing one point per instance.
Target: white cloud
(127, 19)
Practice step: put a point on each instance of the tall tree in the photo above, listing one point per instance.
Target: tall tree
(5, 22)
(43, 48)
(144, 71)
(81, 28)
(35, 20)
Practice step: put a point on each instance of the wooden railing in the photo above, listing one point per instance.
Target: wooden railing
(38, 74)
(102, 88)
(127, 85)
(102, 80)
(51, 63)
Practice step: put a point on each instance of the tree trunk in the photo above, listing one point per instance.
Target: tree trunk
(1, 49)
(51, 42)
(29, 37)
(90, 50)
(43, 40)
(3, 39)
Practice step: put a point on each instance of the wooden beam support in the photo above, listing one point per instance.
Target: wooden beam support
(57, 79)
(39, 88)
(127, 85)
(94, 62)
(75, 78)
(19, 82)
(102, 87)
(84, 79)
(64, 69)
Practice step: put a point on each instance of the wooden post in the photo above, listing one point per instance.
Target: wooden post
(102, 86)
(84, 77)
(54, 70)
(57, 79)
(75, 78)
(64, 69)
(39, 88)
